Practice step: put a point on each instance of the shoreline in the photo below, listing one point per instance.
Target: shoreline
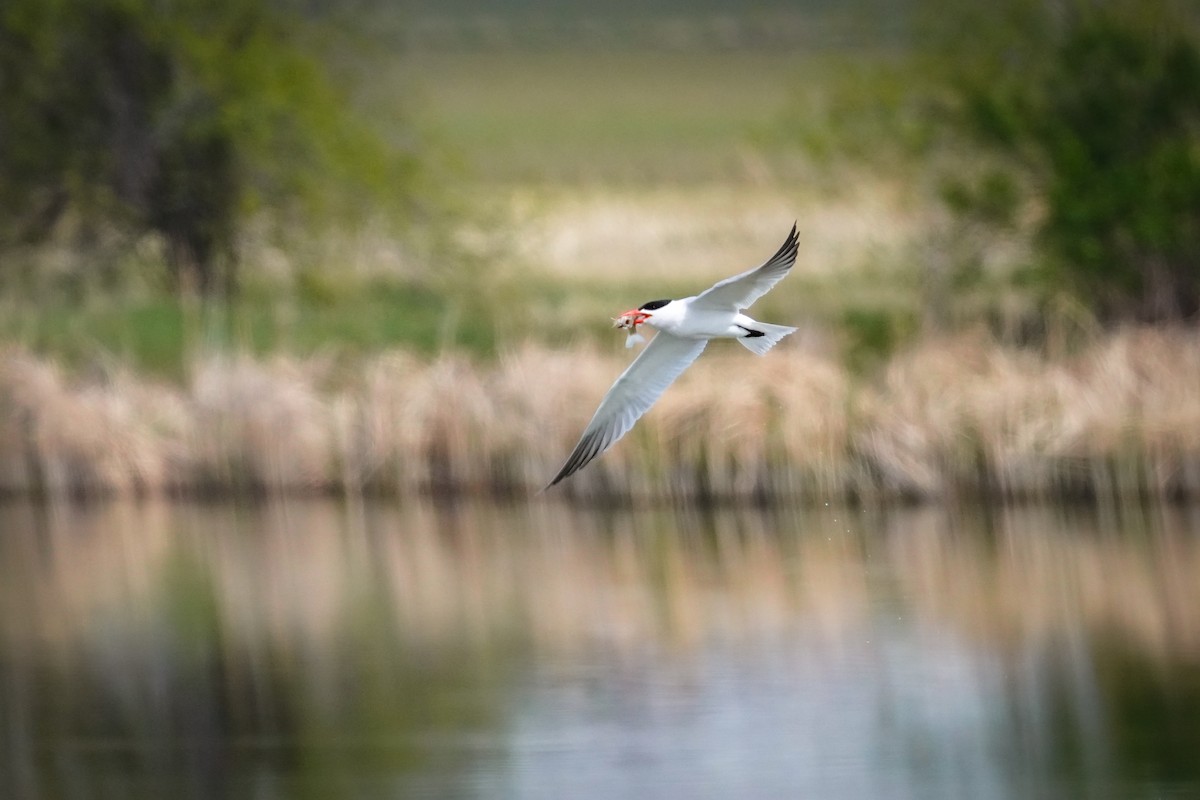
(958, 418)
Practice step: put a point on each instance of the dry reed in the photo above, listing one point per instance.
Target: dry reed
(949, 417)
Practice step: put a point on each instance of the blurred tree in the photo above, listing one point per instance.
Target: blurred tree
(1094, 111)
(174, 118)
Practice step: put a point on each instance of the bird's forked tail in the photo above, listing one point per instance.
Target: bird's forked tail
(763, 336)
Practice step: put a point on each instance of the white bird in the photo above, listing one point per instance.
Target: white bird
(684, 329)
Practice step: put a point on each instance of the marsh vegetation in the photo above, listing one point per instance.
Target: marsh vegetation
(961, 417)
(453, 341)
(275, 532)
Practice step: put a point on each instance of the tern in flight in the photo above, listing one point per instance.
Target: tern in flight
(684, 328)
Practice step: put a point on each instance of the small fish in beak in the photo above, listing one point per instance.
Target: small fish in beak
(630, 321)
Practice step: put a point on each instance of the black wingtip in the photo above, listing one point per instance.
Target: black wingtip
(590, 445)
(790, 247)
(568, 469)
(573, 465)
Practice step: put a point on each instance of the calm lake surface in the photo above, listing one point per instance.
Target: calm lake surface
(321, 649)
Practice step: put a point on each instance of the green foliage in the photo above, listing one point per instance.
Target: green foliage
(873, 335)
(123, 118)
(1095, 111)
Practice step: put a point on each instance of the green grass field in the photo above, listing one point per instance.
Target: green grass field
(157, 335)
(617, 118)
(599, 177)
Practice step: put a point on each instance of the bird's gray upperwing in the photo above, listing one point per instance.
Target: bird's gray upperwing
(741, 291)
(640, 385)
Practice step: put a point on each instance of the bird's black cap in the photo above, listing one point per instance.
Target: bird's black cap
(652, 305)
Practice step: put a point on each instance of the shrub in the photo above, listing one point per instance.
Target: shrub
(1096, 111)
(127, 118)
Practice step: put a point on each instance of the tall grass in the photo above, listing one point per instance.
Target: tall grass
(955, 417)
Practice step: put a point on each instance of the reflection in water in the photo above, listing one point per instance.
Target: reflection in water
(320, 649)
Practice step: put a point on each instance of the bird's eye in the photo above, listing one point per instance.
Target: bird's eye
(653, 305)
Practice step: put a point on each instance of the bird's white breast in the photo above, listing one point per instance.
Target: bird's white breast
(684, 319)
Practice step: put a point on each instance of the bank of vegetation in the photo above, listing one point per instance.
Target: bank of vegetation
(959, 417)
(236, 260)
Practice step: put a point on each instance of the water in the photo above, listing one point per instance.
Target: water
(324, 649)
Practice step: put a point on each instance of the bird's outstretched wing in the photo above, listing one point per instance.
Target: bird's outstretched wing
(741, 291)
(640, 385)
